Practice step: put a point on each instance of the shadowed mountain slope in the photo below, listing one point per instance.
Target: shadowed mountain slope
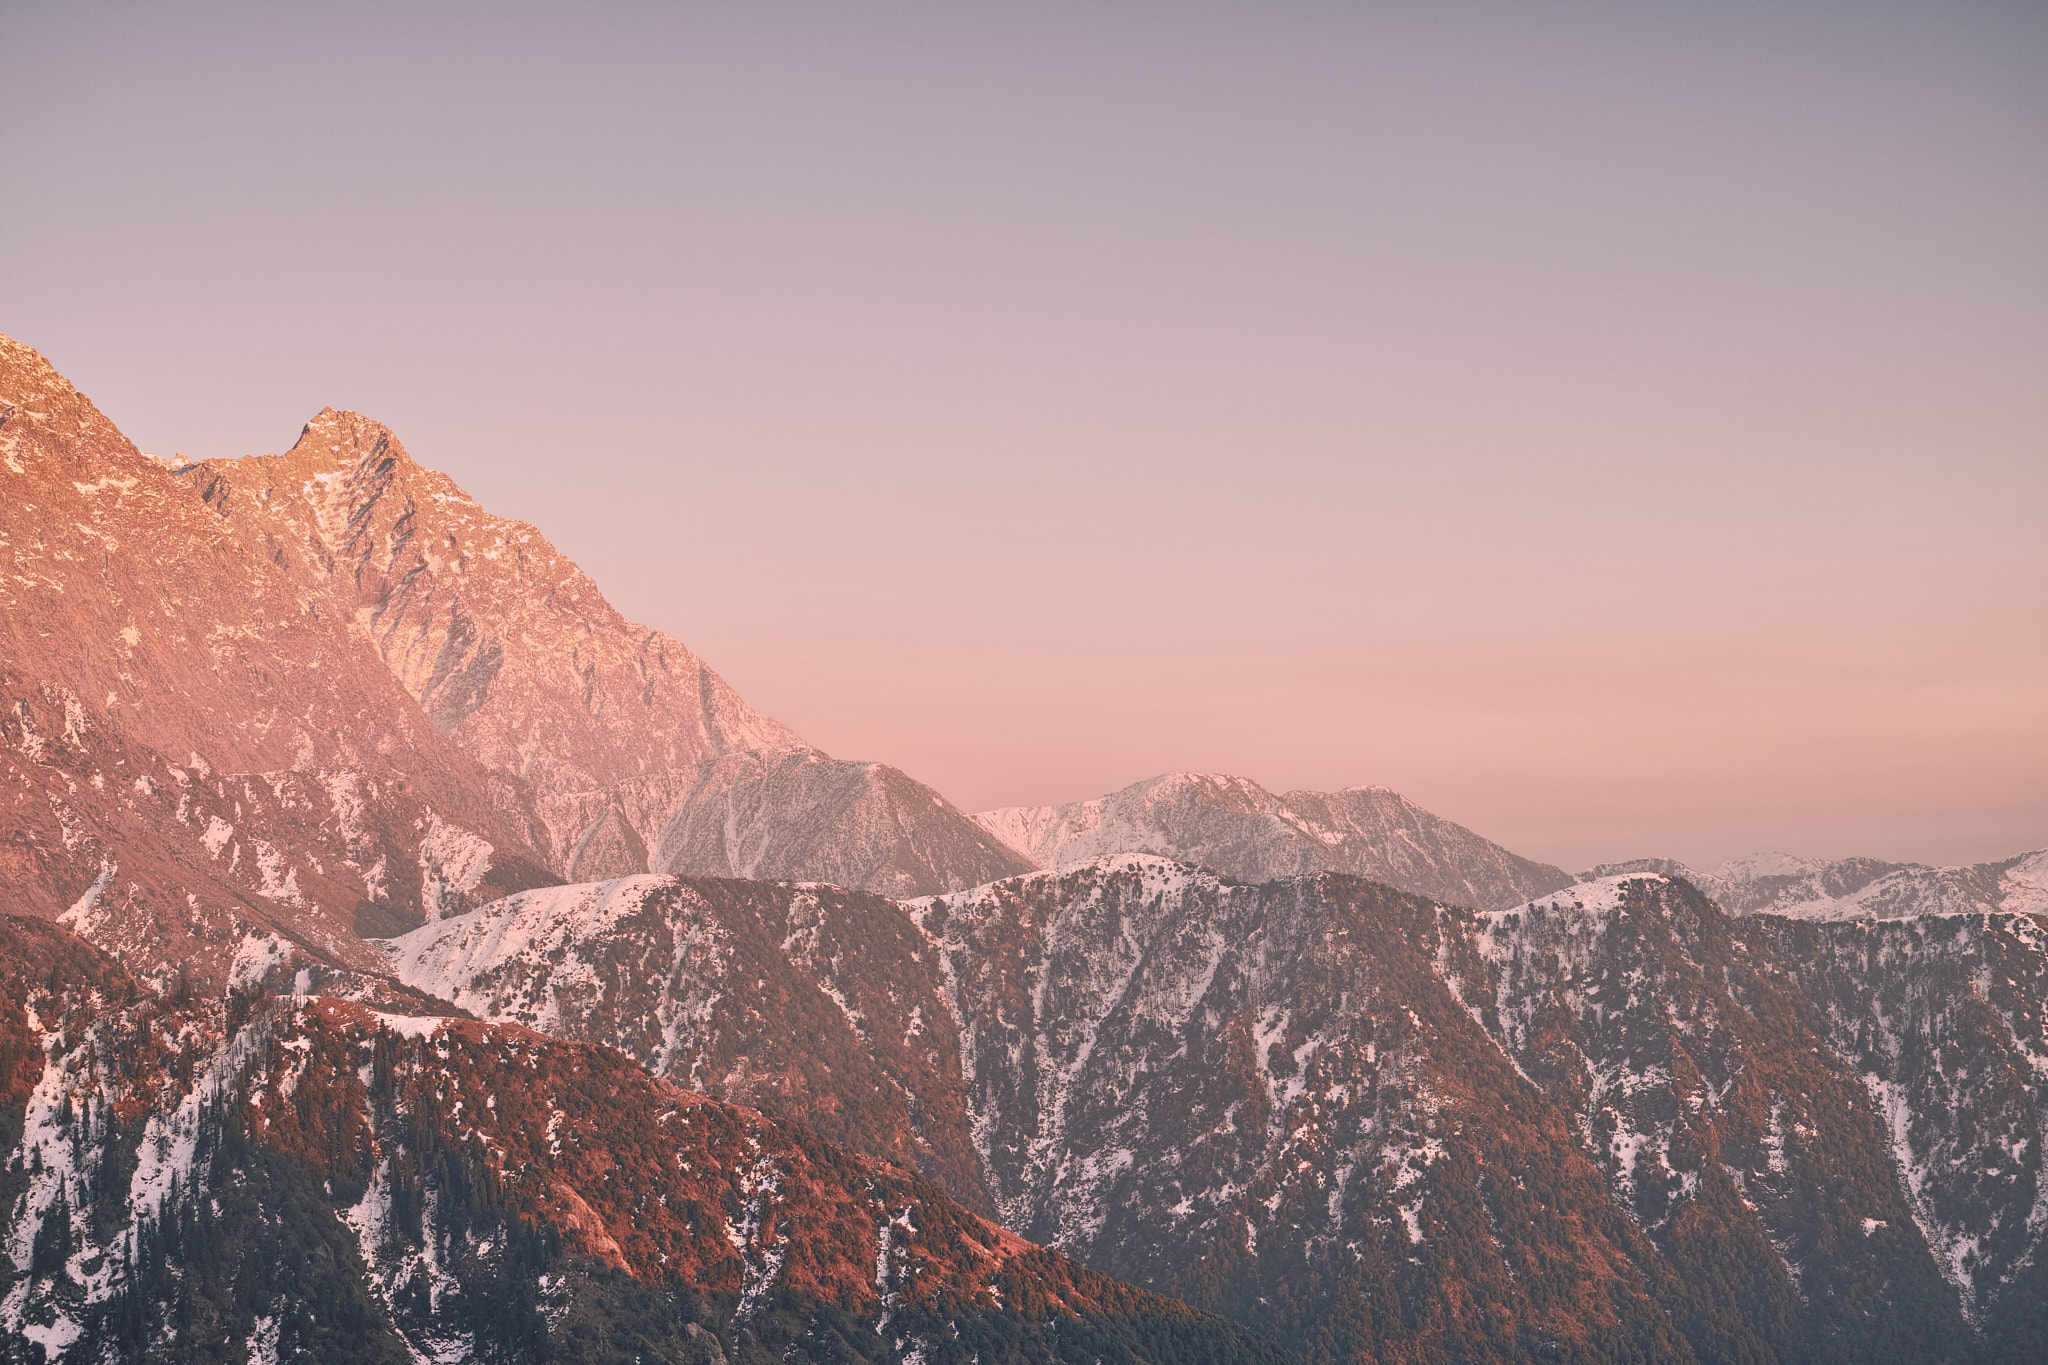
(1613, 1123)
(309, 1179)
(813, 1001)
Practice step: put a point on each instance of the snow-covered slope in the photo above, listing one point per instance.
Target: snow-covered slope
(808, 999)
(1280, 1095)
(1238, 828)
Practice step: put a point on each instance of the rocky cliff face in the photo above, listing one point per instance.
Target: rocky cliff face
(307, 1178)
(1234, 826)
(630, 753)
(510, 649)
(802, 815)
(193, 738)
(326, 695)
(257, 714)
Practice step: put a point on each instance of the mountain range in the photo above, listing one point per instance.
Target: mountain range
(409, 957)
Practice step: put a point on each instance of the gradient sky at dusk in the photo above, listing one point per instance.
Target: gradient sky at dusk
(1621, 428)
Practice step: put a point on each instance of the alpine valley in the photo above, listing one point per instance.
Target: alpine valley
(405, 957)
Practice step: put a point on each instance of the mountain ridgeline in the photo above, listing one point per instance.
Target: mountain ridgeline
(1613, 1123)
(1236, 827)
(405, 957)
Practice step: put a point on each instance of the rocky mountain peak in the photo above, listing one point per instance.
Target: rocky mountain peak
(1239, 828)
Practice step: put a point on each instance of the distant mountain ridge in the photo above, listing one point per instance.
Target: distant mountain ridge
(1858, 888)
(1234, 826)
(308, 741)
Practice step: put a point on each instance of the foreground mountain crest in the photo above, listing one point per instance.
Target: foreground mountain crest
(309, 1175)
(1337, 1112)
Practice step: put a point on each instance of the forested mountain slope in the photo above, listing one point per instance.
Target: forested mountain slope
(294, 1177)
(1614, 1122)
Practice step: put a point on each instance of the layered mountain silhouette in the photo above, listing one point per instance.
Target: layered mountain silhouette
(406, 957)
(294, 1177)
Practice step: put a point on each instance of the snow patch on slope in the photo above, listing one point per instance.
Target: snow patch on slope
(453, 958)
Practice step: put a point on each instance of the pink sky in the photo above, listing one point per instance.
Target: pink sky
(1623, 432)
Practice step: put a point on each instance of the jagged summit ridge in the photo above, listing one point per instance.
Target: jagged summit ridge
(196, 744)
(633, 753)
(326, 695)
(507, 645)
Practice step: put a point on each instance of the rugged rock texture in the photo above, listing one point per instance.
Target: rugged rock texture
(1859, 888)
(192, 733)
(509, 648)
(188, 860)
(1234, 826)
(629, 751)
(254, 714)
(816, 1002)
(325, 695)
(306, 1178)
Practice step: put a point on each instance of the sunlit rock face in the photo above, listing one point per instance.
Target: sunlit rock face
(307, 742)
(614, 748)
(327, 695)
(195, 741)
(509, 649)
